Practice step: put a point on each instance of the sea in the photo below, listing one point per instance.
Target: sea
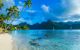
(46, 39)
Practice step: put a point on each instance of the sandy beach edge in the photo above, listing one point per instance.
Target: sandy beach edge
(5, 41)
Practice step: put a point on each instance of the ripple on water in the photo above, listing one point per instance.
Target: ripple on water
(47, 39)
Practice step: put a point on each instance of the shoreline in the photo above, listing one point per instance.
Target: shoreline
(5, 41)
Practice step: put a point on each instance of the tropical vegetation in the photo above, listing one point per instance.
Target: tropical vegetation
(12, 14)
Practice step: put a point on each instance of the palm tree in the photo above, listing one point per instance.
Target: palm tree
(1, 4)
(12, 14)
(13, 11)
(2, 24)
(25, 27)
(2, 18)
(27, 3)
(12, 27)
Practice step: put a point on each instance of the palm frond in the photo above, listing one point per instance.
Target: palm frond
(28, 3)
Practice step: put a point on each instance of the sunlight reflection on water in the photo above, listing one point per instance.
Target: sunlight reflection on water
(46, 39)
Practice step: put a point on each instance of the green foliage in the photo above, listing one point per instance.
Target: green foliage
(27, 3)
(18, 27)
(3, 25)
(8, 18)
(24, 27)
(1, 4)
(11, 27)
(12, 12)
(2, 17)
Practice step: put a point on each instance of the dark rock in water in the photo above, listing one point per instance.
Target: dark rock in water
(34, 43)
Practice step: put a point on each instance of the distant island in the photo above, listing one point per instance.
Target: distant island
(49, 25)
(52, 25)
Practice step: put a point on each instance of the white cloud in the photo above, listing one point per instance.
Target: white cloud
(73, 14)
(29, 22)
(21, 3)
(69, 20)
(45, 8)
(16, 22)
(21, 20)
(75, 7)
(7, 4)
(20, 8)
(30, 11)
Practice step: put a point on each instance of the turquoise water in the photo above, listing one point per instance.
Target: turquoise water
(46, 39)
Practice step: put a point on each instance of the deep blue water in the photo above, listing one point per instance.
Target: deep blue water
(46, 39)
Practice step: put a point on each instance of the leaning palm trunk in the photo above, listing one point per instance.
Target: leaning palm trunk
(9, 25)
(13, 20)
(13, 13)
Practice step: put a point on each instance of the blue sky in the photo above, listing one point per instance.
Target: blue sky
(44, 10)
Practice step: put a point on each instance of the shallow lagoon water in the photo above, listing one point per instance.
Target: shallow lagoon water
(46, 39)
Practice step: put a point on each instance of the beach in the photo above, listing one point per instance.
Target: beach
(5, 41)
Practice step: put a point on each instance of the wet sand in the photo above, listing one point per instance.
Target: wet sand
(5, 41)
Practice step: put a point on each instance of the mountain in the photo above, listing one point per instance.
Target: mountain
(53, 25)
(44, 25)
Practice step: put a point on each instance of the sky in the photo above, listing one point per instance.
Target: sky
(44, 10)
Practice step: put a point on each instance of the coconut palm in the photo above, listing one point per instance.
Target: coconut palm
(1, 4)
(12, 14)
(13, 11)
(2, 24)
(2, 18)
(11, 27)
(27, 3)
(25, 27)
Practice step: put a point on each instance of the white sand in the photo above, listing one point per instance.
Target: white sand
(5, 42)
